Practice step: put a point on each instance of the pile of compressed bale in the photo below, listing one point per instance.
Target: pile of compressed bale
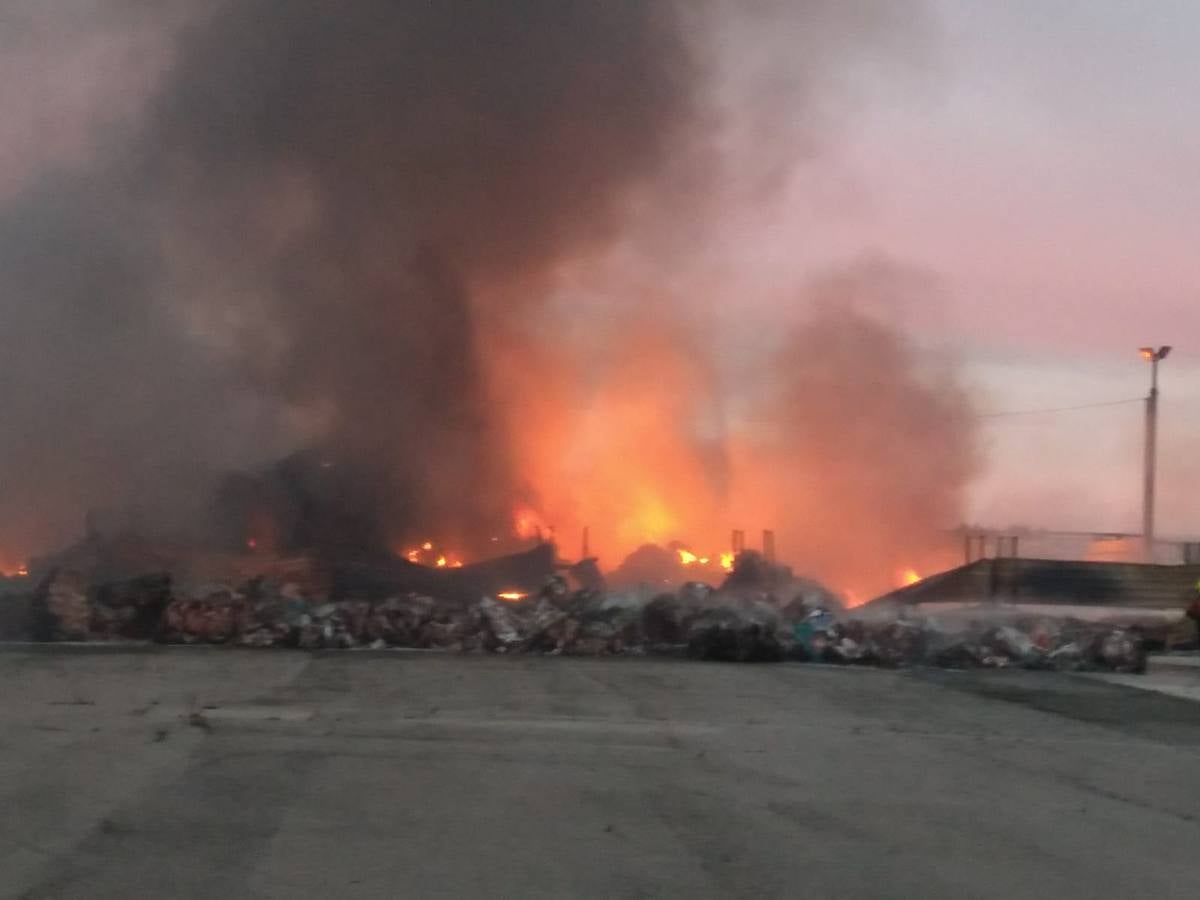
(267, 615)
(987, 641)
(739, 624)
(697, 621)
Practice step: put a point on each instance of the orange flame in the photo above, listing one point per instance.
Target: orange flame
(512, 596)
(527, 524)
(688, 558)
(909, 577)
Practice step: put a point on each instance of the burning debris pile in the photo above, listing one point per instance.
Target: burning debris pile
(738, 622)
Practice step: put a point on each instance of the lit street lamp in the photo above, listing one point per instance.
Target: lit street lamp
(1154, 357)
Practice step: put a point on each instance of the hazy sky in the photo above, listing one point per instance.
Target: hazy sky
(1044, 167)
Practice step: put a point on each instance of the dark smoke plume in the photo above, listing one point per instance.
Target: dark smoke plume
(431, 152)
(318, 191)
(314, 223)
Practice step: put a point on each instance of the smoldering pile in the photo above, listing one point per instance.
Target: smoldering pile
(738, 622)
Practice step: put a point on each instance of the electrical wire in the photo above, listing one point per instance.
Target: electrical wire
(1057, 409)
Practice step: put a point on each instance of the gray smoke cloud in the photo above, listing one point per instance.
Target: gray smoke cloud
(437, 151)
(871, 438)
(291, 222)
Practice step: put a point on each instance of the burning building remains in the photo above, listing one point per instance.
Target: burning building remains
(451, 263)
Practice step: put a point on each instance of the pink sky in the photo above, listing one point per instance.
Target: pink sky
(1045, 170)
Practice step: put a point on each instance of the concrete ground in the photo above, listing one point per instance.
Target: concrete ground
(198, 773)
(1176, 674)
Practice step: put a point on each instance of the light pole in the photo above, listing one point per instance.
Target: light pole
(1154, 357)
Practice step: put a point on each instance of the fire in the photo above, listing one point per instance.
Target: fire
(688, 558)
(909, 577)
(512, 596)
(429, 555)
(528, 525)
(607, 452)
(651, 519)
(8, 570)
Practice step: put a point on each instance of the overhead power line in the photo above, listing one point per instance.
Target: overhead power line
(1058, 409)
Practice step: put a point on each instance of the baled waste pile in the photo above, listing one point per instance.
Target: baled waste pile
(737, 624)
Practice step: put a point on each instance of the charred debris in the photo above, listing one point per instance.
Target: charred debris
(522, 603)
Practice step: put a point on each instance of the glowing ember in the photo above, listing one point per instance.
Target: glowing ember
(429, 554)
(909, 576)
(512, 596)
(251, 544)
(727, 562)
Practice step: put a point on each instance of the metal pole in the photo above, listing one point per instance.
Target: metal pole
(738, 540)
(1149, 464)
(768, 542)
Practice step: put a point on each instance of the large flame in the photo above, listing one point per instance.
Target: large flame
(632, 447)
(624, 431)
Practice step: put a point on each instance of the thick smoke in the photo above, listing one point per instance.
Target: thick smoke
(864, 442)
(315, 198)
(335, 225)
(434, 155)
